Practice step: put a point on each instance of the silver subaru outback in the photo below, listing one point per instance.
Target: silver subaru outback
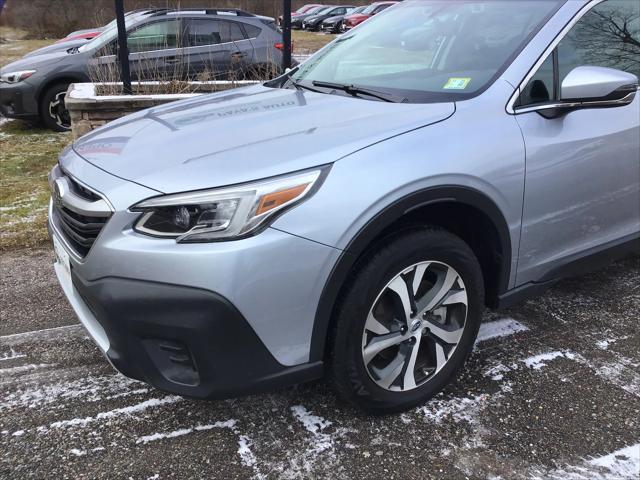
(353, 217)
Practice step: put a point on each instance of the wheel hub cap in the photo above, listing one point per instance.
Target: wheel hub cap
(415, 326)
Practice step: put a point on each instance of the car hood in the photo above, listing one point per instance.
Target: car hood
(57, 47)
(35, 61)
(245, 134)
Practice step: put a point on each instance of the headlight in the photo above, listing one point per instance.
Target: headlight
(15, 77)
(226, 213)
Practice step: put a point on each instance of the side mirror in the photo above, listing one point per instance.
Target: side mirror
(589, 87)
(599, 87)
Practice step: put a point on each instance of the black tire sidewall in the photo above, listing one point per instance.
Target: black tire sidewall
(47, 97)
(370, 278)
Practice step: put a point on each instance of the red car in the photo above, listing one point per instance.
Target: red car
(90, 33)
(81, 35)
(301, 10)
(351, 21)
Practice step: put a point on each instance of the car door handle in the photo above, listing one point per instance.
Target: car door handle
(171, 60)
(238, 55)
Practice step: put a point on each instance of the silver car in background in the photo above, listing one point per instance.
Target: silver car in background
(354, 217)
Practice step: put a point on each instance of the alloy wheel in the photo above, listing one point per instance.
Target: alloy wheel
(59, 112)
(414, 326)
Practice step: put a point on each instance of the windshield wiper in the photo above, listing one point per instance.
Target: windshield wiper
(355, 91)
(290, 81)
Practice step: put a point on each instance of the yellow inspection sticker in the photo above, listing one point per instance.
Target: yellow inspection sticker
(457, 83)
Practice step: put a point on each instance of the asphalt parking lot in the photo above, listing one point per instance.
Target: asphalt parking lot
(552, 391)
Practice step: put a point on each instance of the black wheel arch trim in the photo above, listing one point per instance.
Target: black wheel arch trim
(62, 77)
(386, 217)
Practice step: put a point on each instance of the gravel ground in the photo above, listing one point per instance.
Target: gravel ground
(552, 391)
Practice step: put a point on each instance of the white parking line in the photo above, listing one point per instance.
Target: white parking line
(47, 334)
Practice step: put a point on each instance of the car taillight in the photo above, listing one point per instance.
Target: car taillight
(280, 46)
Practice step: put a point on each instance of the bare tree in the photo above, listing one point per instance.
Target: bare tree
(610, 37)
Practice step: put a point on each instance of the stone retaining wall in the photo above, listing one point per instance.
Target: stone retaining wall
(89, 111)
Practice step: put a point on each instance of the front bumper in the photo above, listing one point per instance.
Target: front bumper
(18, 100)
(182, 340)
(239, 315)
(329, 27)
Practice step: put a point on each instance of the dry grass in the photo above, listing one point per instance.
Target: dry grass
(26, 156)
(308, 42)
(13, 44)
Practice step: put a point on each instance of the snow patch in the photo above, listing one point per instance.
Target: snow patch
(313, 423)
(497, 372)
(604, 344)
(536, 362)
(185, 431)
(88, 388)
(47, 334)
(130, 410)
(458, 409)
(11, 355)
(320, 449)
(24, 368)
(462, 409)
(624, 462)
(244, 442)
(621, 464)
(621, 373)
(244, 450)
(499, 328)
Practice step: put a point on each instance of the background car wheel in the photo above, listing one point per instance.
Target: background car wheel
(406, 321)
(53, 112)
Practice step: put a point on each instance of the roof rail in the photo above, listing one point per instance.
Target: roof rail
(236, 12)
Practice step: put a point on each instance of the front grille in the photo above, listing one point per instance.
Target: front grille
(82, 191)
(79, 214)
(79, 230)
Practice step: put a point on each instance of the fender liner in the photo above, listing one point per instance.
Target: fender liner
(391, 213)
(58, 78)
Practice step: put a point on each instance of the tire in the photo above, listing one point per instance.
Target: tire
(52, 111)
(370, 310)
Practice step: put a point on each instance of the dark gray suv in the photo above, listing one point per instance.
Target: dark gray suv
(165, 45)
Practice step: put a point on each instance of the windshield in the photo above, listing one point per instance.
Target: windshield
(305, 8)
(325, 10)
(315, 10)
(430, 50)
(110, 32)
(367, 10)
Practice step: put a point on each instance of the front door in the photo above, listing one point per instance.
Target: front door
(155, 51)
(582, 187)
